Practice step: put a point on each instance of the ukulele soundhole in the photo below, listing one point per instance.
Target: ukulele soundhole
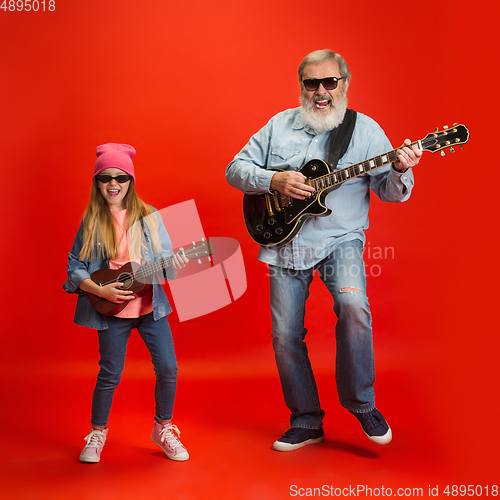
(126, 279)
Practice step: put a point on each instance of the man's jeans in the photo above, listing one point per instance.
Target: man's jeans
(113, 347)
(344, 275)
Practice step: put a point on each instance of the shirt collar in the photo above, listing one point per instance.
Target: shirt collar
(298, 123)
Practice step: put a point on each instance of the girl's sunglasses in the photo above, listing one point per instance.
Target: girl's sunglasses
(104, 178)
(329, 83)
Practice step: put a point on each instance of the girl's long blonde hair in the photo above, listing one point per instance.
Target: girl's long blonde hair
(98, 226)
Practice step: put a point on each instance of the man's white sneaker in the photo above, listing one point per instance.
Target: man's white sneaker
(374, 426)
(297, 437)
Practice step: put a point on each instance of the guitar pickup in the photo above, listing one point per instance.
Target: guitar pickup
(269, 205)
(276, 198)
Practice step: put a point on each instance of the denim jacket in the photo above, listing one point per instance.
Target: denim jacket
(85, 315)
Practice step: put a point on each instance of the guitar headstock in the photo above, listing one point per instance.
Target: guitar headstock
(446, 138)
(199, 250)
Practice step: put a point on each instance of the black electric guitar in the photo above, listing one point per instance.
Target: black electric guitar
(137, 278)
(274, 219)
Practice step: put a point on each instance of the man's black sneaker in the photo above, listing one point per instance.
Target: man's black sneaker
(374, 426)
(296, 437)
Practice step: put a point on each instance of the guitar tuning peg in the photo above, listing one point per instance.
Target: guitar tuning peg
(452, 150)
(455, 124)
(462, 147)
(193, 243)
(199, 261)
(443, 153)
(446, 127)
(436, 129)
(209, 259)
(203, 239)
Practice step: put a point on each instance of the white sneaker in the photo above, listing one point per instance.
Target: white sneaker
(95, 442)
(165, 437)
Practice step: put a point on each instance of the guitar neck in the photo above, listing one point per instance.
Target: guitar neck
(344, 174)
(149, 270)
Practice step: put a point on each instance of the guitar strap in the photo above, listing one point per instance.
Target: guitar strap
(340, 138)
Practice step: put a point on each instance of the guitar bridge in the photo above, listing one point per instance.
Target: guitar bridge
(282, 201)
(278, 200)
(285, 200)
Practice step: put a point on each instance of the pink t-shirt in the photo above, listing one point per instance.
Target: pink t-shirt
(140, 305)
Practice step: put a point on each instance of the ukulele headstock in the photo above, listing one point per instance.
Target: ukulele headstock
(202, 249)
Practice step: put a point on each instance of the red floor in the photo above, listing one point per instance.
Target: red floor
(229, 415)
(432, 389)
(228, 427)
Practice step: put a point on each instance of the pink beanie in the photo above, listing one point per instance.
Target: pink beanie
(113, 155)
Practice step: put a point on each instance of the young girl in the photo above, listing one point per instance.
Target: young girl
(101, 241)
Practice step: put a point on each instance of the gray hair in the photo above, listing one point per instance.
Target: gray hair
(321, 56)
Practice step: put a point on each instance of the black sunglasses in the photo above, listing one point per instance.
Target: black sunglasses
(329, 83)
(122, 178)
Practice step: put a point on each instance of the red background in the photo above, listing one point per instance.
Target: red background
(187, 83)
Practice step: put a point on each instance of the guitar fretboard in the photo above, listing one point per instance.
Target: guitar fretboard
(344, 174)
(195, 252)
(155, 267)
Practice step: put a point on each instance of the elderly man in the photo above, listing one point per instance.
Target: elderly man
(331, 245)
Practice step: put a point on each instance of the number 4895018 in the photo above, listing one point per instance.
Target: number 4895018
(471, 490)
(28, 5)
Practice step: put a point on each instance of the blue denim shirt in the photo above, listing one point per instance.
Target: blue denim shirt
(286, 142)
(85, 315)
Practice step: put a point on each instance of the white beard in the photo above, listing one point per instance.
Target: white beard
(322, 121)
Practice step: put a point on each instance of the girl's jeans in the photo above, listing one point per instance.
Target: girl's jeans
(113, 346)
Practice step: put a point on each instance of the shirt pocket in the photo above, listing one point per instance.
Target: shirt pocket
(347, 160)
(283, 157)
